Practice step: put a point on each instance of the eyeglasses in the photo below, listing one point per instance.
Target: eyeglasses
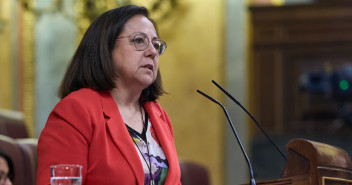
(141, 42)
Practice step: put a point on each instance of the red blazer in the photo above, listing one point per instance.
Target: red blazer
(86, 128)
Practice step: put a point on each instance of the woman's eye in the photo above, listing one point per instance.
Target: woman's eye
(3, 175)
(139, 40)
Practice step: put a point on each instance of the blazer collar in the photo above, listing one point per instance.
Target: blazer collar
(120, 135)
(124, 142)
(161, 125)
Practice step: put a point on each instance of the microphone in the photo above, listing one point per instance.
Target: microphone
(250, 115)
(252, 181)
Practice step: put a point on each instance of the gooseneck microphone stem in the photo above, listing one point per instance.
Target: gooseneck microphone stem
(250, 115)
(252, 181)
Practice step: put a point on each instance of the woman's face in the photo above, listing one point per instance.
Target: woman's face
(135, 68)
(4, 170)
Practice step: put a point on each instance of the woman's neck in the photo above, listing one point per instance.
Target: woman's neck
(129, 107)
(125, 98)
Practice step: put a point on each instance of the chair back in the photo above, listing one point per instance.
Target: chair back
(12, 124)
(193, 174)
(23, 153)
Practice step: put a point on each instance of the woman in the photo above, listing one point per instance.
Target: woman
(6, 169)
(108, 120)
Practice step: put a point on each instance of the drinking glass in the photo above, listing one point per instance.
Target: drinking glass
(66, 174)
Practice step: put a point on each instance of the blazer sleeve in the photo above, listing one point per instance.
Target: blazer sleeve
(65, 139)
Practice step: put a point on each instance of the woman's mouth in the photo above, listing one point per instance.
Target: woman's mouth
(148, 66)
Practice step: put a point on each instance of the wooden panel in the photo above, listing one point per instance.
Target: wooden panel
(287, 42)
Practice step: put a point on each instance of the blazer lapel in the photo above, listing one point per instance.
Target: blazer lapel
(166, 140)
(120, 135)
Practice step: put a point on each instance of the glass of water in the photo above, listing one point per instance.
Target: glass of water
(66, 174)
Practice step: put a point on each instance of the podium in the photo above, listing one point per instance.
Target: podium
(314, 163)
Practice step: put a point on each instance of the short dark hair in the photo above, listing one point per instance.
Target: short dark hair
(11, 174)
(92, 66)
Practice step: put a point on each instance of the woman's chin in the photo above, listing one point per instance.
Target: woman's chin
(146, 83)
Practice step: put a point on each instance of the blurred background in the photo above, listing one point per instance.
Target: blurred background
(288, 61)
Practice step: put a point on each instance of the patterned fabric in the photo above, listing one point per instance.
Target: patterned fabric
(159, 162)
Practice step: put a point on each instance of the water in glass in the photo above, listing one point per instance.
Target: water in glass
(66, 180)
